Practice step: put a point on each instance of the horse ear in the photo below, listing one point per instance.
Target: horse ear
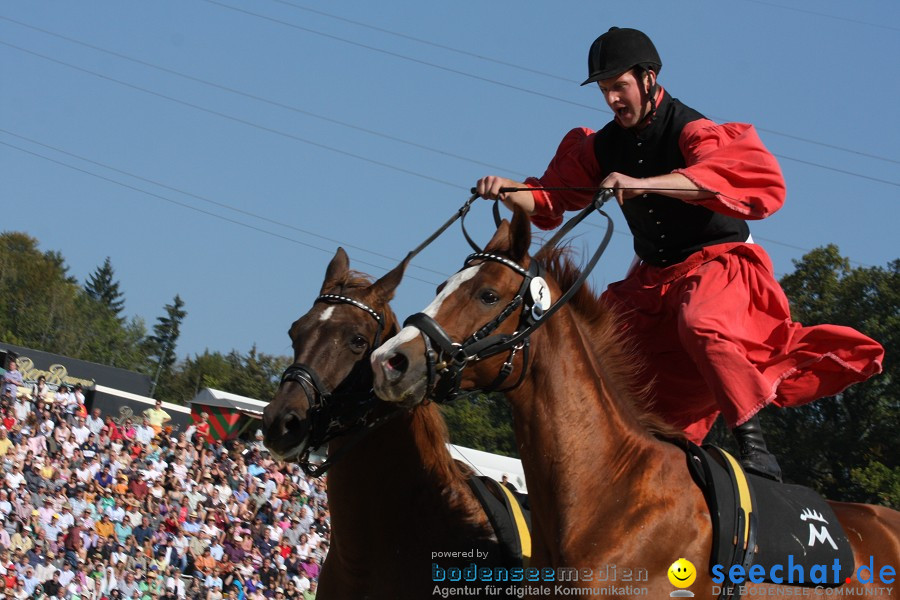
(337, 271)
(519, 235)
(500, 242)
(387, 285)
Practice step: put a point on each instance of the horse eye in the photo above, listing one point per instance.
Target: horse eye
(359, 342)
(489, 297)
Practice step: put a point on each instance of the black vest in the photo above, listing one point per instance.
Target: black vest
(666, 230)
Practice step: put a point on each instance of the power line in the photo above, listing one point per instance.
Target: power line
(822, 144)
(292, 227)
(428, 42)
(388, 136)
(499, 83)
(238, 119)
(211, 201)
(268, 101)
(304, 140)
(403, 56)
(827, 16)
(836, 170)
(194, 208)
(344, 152)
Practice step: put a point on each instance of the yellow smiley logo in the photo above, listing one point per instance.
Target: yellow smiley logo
(682, 573)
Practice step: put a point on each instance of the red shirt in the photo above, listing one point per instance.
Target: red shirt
(139, 489)
(115, 433)
(203, 432)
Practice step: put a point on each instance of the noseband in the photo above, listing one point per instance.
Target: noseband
(330, 414)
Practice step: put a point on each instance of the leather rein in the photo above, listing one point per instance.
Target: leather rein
(332, 415)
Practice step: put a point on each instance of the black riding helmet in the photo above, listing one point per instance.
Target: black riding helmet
(619, 50)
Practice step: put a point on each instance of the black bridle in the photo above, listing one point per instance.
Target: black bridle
(332, 414)
(445, 364)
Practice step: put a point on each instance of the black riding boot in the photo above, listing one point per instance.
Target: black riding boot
(755, 457)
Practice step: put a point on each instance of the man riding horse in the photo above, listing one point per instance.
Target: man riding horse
(701, 301)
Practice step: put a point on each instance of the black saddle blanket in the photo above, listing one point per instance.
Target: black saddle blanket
(798, 539)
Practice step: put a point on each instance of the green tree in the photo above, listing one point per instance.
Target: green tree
(254, 375)
(102, 287)
(39, 298)
(108, 339)
(259, 375)
(161, 345)
(846, 446)
(483, 422)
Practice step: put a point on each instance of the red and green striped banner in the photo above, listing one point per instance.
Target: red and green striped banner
(223, 421)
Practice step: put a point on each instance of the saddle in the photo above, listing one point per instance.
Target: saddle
(509, 516)
(758, 521)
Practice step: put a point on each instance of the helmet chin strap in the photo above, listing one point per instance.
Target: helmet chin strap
(648, 117)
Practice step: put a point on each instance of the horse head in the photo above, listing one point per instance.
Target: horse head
(492, 295)
(326, 391)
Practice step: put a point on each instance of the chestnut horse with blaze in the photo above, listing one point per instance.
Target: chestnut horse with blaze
(395, 494)
(605, 487)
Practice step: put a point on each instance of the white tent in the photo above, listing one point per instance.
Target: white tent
(491, 465)
(211, 397)
(230, 414)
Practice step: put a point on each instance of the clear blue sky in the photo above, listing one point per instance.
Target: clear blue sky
(223, 149)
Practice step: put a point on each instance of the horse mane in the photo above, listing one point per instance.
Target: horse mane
(431, 432)
(617, 354)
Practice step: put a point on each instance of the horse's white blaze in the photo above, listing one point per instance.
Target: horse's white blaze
(451, 286)
(409, 332)
(406, 334)
(326, 314)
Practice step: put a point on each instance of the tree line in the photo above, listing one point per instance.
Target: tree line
(846, 446)
(42, 306)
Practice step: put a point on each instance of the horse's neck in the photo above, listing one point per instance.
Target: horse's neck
(406, 458)
(577, 440)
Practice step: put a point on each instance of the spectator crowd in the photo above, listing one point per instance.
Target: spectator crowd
(94, 506)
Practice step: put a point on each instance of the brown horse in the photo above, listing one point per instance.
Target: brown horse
(398, 501)
(606, 489)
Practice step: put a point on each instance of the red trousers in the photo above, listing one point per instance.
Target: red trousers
(717, 334)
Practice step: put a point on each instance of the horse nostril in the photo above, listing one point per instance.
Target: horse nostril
(292, 425)
(398, 362)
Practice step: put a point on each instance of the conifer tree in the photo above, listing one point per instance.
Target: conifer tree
(165, 337)
(102, 287)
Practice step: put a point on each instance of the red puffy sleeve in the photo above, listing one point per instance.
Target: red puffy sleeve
(730, 160)
(574, 165)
